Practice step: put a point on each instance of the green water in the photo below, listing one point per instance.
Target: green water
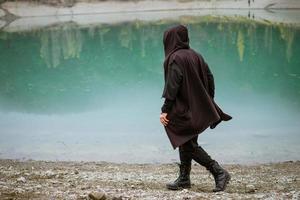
(94, 93)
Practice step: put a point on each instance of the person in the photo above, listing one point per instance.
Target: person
(189, 107)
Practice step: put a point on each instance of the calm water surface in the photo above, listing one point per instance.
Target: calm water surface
(94, 93)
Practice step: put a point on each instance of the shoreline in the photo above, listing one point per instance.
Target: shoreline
(24, 16)
(76, 180)
(277, 17)
(31, 9)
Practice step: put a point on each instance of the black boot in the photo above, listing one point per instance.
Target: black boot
(221, 176)
(183, 181)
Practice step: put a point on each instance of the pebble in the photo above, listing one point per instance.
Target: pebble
(280, 188)
(250, 188)
(21, 180)
(97, 196)
(19, 190)
(2, 23)
(49, 174)
(259, 196)
(117, 198)
(2, 183)
(54, 182)
(38, 186)
(85, 187)
(2, 13)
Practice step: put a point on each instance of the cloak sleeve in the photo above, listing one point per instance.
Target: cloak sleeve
(166, 108)
(172, 85)
(211, 82)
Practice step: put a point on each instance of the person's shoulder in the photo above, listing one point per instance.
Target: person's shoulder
(197, 53)
(181, 53)
(184, 54)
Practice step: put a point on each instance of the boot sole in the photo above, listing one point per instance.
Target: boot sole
(178, 188)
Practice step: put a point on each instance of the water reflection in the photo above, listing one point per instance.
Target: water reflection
(93, 93)
(60, 43)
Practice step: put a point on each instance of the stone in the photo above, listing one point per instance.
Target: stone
(85, 187)
(38, 186)
(76, 171)
(97, 196)
(21, 180)
(2, 23)
(259, 196)
(19, 190)
(280, 187)
(250, 188)
(2, 13)
(49, 174)
(117, 198)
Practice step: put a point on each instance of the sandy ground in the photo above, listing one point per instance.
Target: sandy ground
(76, 180)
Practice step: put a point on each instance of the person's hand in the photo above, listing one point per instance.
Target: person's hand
(163, 119)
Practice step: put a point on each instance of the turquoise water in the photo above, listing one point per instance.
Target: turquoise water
(94, 93)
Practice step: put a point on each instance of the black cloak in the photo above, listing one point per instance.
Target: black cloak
(194, 108)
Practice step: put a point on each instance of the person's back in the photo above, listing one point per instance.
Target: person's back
(189, 106)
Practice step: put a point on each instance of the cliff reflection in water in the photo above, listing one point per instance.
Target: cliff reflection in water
(63, 42)
(90, 86)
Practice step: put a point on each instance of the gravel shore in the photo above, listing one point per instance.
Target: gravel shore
(79, 180)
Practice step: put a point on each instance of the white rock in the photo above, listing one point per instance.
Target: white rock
(21, 180)
(250, 188)
(2, 13)
(2, 23)
(49, 174)
(38, 186)
(19, 190)
(259, 196)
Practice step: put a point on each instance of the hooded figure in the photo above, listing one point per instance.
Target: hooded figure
(189, 106)
(190, 85)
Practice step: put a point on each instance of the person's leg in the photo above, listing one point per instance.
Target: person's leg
(220, 175)
(200, 155)
(185, 155)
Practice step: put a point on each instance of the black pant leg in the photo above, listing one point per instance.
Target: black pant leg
(200, 155)
(191, 150)
(186, 152)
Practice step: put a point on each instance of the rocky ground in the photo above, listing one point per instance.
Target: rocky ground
(82, 180)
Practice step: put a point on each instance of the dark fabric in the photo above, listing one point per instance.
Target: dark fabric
(211, 82)
(173, 81)
(167, 106)
(194, 108)
(172, 85)
(191, 150)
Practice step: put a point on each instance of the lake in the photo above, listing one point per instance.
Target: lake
(93, 93)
